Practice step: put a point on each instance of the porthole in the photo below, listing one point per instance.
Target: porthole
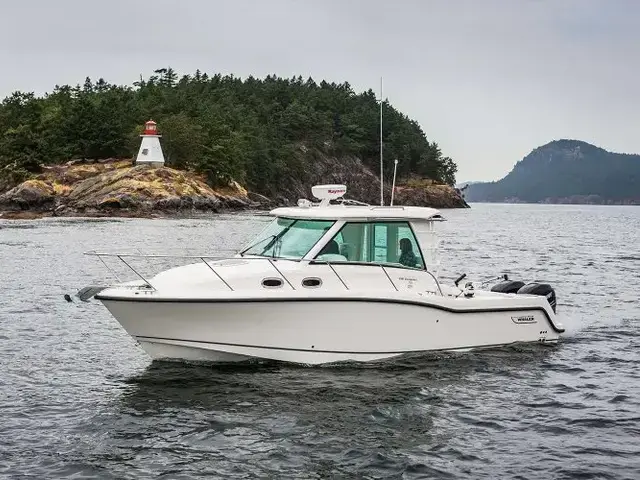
(272, 282)
(311, 282)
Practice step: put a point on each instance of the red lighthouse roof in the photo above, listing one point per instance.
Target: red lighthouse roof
(150, 128)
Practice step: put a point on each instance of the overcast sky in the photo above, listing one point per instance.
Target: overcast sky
(489, 80)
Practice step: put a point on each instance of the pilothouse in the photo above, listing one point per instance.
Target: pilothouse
(328, 281)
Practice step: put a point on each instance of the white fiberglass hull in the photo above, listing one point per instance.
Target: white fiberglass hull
(324, 329)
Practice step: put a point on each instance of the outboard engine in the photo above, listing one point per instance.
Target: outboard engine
(543, 289)
(508, 286)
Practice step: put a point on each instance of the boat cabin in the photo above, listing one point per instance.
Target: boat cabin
(344, 233)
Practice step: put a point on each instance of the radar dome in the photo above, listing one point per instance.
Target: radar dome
(328, 192)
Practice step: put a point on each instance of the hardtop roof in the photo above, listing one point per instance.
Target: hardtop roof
(359, 212)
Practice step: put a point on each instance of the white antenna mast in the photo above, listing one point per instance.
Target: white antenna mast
(393, 185)
(381, 171)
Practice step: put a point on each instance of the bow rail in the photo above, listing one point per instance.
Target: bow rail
(209, 259)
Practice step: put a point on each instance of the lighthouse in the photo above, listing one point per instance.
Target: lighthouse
(150, 152)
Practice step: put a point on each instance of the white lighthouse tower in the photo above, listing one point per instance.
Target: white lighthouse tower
(150, 152)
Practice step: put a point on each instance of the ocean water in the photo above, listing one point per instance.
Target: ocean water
(79, 399)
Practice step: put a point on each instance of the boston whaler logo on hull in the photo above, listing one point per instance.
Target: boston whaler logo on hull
(524, 319)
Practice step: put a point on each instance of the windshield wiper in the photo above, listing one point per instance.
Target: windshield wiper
(270, 237)
(277, 238)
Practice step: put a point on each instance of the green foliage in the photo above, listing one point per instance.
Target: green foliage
(220, 126)
(183, 141)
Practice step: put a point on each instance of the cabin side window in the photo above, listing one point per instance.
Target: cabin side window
(379, 242)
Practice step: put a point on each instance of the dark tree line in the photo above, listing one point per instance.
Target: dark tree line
(217, 125)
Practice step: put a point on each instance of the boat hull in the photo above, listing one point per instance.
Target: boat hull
(322, 330)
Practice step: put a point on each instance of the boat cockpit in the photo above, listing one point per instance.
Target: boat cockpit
(392, 242)
(349, 234)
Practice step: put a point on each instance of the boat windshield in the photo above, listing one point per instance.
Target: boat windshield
(288, 238)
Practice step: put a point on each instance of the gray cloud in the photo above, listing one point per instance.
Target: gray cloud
(487, 79)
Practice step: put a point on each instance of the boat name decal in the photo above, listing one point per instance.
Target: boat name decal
(410, 281)
(524, 319)
(336, 191)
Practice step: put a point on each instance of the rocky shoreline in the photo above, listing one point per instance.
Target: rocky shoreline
(115, 187)
(118, 188)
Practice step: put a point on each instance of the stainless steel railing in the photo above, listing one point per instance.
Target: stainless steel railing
(206, 259)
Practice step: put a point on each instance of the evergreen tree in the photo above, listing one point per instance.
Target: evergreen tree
(217, 125)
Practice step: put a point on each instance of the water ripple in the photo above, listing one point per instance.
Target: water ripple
(80, 399)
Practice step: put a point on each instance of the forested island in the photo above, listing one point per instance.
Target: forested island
(228, 142)
(566, 171)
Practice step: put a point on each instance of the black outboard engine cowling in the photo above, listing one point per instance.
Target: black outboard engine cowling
(508, 286)
(543, 289)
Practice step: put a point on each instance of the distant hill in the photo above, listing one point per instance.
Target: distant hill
(566, 171)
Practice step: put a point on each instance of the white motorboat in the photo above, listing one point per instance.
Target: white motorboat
(327, 282)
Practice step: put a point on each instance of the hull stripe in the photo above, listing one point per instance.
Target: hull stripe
(332, 299)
